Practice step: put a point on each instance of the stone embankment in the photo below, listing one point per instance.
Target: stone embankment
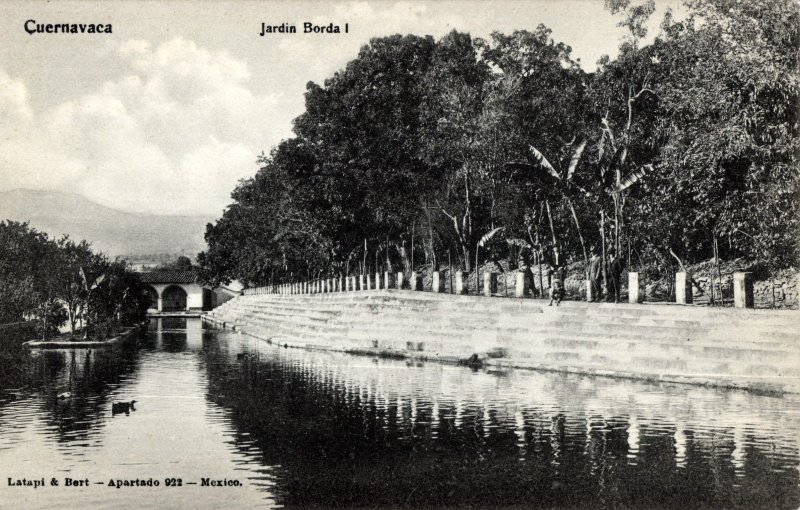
(752, 349)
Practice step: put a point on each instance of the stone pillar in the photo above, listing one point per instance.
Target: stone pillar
(521, 284)
(399, 280)
(341, 283)
(416, 281)
(160, 302)
(361, 282)
(462, 282)
(489, 283)
(743, 290)
(683, 288)
(331, 285)
(634, 288)
(438, 282)
(369, 282)
(387, 280)
(377, 280)
(589, 291)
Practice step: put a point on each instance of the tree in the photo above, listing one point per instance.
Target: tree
(730, 127)
(561, 182)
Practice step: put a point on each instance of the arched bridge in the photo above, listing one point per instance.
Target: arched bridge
(176, 291)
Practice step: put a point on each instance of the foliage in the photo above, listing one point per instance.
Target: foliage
(57, 282)
(670, 146)
(182, 263)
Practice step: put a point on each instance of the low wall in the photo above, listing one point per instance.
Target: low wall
(752, 349)
(772, 289)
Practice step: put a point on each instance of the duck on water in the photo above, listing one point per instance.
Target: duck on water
(122, 407)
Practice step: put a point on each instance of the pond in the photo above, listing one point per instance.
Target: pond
(224, 420)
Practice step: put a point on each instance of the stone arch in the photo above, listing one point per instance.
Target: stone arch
(152, 294)
(173, 298)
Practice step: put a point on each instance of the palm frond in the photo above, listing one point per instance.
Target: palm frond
(607, 130)
(576, 156)
(98, 281)
(540, 160)
(601, 146)
(621, 155)
(488, 236)
(631, 179)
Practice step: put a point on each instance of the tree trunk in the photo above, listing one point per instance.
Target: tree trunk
(550, 219)
(580, 236)
(71, 314)
(404, 256)
(467, 219)
(431, 247)
(603, 248)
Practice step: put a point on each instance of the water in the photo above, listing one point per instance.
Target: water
(304, 429)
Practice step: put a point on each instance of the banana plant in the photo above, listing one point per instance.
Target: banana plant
(616, 172)
(485, 239)
(88, 288)
(558, 180)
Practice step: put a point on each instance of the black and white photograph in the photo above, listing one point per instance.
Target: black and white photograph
(416, 254)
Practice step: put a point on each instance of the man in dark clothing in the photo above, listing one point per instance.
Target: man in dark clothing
(615, 268)
(596, 276)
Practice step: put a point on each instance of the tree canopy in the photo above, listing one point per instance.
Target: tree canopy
(60, 281)
(661, 152)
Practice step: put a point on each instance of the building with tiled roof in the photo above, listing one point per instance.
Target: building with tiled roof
(168, 276)
(176, 291)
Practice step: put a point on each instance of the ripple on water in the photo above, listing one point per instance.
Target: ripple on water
(309, 428)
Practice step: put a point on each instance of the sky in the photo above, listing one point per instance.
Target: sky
(168, 112)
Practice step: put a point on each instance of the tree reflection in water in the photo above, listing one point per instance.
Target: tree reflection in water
(360, 436)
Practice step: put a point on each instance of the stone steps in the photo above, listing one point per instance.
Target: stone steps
(731, 347)
(517, 324)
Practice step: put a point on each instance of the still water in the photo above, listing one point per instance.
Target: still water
(302, 429)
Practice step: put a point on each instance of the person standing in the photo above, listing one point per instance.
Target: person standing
(615, 268)
(596, 276)
(557, 275)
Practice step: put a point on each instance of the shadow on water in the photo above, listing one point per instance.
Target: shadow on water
(345, 439)
(71, 387)
(75, 391)
(311, 429)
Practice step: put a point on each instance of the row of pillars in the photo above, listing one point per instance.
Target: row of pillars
(742, 285)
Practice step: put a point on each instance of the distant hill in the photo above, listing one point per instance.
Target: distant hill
(113, 232)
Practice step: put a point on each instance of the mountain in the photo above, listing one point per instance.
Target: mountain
(114, 232)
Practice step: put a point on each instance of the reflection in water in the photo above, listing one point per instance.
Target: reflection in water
(315, 429)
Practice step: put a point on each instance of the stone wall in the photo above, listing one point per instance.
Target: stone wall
(754, 349)
(772, 289)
